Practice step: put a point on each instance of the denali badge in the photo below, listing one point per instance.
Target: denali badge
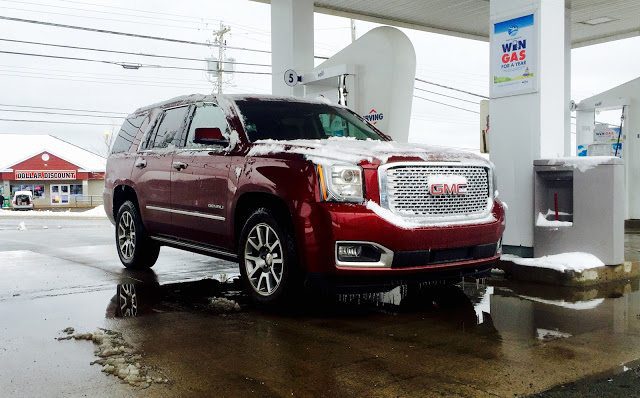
(441, 184)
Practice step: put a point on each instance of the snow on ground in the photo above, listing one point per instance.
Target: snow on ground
(582, 163)
(574, 261)
(222, 305)
(116, 356)
(96, 212)
(543, 222)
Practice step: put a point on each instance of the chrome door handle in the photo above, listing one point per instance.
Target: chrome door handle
(179, 165)
(141, 163)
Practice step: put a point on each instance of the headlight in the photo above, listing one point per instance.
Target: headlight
(340, 183)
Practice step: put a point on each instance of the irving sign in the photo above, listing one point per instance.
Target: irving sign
(45, 175)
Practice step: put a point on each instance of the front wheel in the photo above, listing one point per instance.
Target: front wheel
(268, 260)
(135, 248)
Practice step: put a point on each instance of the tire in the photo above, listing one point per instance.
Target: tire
(135, 249)
(268, 263)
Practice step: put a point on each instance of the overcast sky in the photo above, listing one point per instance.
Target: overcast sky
(31, 81)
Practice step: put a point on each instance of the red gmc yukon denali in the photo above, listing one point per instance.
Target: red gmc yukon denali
(297, 191)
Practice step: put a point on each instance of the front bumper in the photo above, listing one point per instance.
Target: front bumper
(424, 250)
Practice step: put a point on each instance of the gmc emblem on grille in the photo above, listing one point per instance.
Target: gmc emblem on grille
(447, 185)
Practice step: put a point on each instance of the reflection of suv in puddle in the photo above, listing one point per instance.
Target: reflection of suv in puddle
(295, 190)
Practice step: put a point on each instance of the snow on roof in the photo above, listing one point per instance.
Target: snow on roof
(16, 148)
(190, 98)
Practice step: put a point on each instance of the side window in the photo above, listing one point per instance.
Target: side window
(207, 115)
(168, 132)
(335, 125)
(127, 134)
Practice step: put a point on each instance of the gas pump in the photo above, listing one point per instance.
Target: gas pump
(374, 77)
(594, 139)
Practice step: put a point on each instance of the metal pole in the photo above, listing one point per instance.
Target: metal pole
(353, 30)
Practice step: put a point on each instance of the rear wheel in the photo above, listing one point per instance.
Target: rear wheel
(268, 260)
(135, 248)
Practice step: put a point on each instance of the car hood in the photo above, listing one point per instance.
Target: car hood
(352, 151)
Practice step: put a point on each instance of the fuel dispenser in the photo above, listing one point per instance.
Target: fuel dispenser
(579, 207)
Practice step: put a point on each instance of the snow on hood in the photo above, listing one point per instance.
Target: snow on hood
(353, 151)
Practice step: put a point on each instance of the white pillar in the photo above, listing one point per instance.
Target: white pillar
(291, 42)
(530, 126)
(632, 157)
(567, 82)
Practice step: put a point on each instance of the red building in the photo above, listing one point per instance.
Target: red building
(58, 173)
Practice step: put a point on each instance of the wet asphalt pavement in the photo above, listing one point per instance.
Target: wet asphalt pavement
(479, 338)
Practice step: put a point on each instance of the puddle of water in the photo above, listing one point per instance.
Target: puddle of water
(515, 311)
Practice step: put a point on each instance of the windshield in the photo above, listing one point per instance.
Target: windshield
(285, 120)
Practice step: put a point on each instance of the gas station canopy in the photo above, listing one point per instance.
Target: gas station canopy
(592, 21)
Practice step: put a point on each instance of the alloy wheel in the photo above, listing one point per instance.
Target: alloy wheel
(263, 259)
(126, 235)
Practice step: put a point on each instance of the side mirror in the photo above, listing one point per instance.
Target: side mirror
(209, 136)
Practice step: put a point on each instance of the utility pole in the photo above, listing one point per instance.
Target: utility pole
(353, 30)
(221, 43)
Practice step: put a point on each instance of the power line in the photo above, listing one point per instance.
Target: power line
(55, 122)
(149, 12)
(60, 109)
(451, 88)
(112, 32)
(75, 73)
(126, 65)
(48, 12)
(127, 34)
(125, 52)
(124, 82)
(445, 95)
(60, 113)
(449, 105)
(100, 11)
(98, 79)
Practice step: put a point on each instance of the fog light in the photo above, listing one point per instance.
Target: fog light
(351, 251)
(499, 247)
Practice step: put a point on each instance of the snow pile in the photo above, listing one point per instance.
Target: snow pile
(581, 163)
(353, 151)
(574, 261)
(96, 212)
(417, 222)
(222, 305)
(22, 226)
(116, 356)
(543, 222)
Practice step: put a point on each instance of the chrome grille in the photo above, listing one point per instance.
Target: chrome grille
(407, 191)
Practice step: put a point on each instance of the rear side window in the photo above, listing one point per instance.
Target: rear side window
(207, 115)
(127, 134)
(168, 133)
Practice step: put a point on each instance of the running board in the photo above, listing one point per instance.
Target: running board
(204, 249)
